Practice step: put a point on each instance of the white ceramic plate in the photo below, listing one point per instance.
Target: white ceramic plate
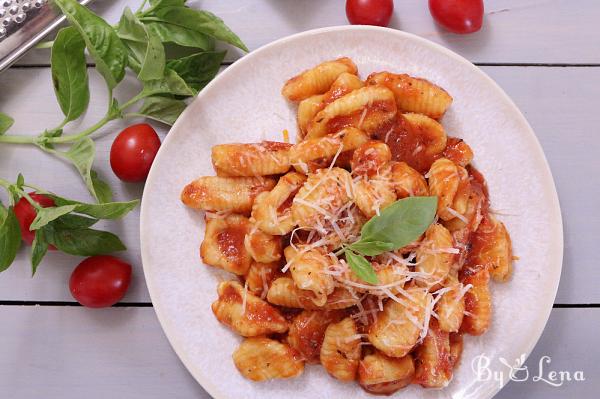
(244, 104)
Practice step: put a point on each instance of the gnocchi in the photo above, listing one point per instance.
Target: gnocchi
(384, 375)
(286, 219)
(223, 244)
(245, 313)
(397, 328)
(369, 108)
(340, 351)
(414, 94)
(260, 159)
(225, 194)
(261, 359)
(317, 80)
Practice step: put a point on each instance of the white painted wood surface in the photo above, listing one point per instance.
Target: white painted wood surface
(72, 352)
(514, 31)
(122, 353)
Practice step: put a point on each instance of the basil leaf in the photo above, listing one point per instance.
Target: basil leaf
(146, 48)
(84, 242)
(69, 73)
(5, 123)
(361, 267)
(10, 237)
(39, 248)
(162, 109)
(171, 33)
(198, 69)
(170, 83)
(101, 40)
(371, 248)
(109, 210)
(401, 222)
(72, 221)
(197, 21)
(167, 3)
(101, 188)
(81, 155)
(46, 215)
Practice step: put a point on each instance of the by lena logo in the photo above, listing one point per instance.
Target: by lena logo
(517, 371)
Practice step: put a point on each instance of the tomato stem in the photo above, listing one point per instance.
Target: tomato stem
(30, 200)
(76, 137)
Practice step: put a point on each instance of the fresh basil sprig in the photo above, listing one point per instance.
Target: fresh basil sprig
(396, 226)
(149, 43)
(66, 226)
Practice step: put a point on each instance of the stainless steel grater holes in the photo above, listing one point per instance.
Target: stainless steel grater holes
(14, 13)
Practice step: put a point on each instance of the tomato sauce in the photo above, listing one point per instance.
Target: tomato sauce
(231, 242)
(275, 145)
(409, 145)
(458, 151)
(339, 122)
(285, 205)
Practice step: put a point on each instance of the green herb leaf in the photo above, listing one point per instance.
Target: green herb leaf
(171, 33)
(102, 42)
(72, 221)
(361, 267)
(371, 248)
(198, 69)
(46, 215)
(109, 210)
(170, 83)
(10, 237)
(199, 21)
(83, 242)
(101, 188)
(5, 123)
(39, 248)
(162, 109)
(69, 73)
(401, 223)
(167, 3)
(81, 155)
(144, 45)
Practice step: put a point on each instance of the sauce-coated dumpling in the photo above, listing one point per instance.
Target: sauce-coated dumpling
(314, 285)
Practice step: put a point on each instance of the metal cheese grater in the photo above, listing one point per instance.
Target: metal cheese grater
(23, 23)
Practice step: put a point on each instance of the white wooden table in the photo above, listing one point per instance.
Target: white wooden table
(544, 53)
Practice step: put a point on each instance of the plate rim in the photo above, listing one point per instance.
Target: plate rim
(549, 186)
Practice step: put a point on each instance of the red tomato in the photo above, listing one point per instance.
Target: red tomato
(458, 16)
(100, 281)
(133, 152)
(26, 214)
(369, 12)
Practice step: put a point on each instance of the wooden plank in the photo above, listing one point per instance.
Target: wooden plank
(559, 105)
(72, 352)
(566, 340)
(76, 352)
(515, 31)
(559, 102)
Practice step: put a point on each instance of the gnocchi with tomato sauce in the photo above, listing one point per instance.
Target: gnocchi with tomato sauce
(282, 216)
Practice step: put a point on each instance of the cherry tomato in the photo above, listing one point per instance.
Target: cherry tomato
(26, 213)
(100, 281)
(458, 16)
(369, 12)
(133, 152)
